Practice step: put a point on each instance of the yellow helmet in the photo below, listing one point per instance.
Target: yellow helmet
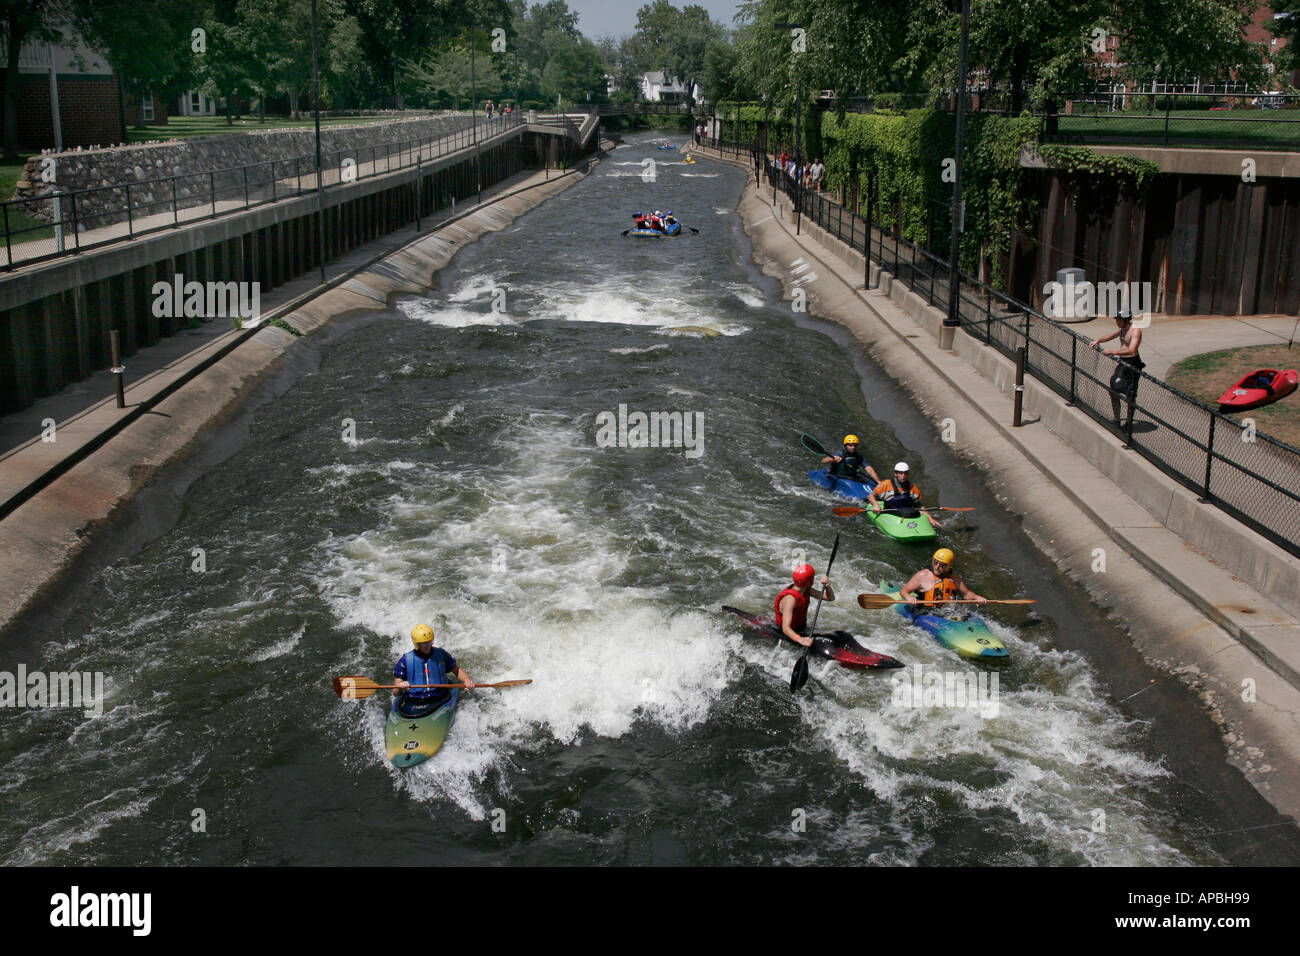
(945, 555)
(421, 634)
(851, 440)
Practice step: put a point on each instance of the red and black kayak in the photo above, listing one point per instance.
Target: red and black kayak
(1260, 387)
(838, 645)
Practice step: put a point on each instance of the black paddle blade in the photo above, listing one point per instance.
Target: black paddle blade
(799, 676)
(813, 445)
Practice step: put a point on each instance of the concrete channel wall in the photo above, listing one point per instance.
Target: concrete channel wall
(55, 317)
(55, 538)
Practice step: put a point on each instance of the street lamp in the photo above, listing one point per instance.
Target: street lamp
(473, 113)
(953, 318)
(798, 132)
(320, 185)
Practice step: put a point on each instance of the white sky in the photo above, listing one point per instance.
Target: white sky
(596, 18)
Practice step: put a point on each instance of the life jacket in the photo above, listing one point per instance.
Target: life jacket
(424, 670)
(799, 619)
(851, 467)
(895, 499)
(945, 589)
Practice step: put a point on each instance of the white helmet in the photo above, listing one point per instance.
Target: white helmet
(901, 466)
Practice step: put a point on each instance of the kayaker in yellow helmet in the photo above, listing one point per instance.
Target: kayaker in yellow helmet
(938, 583)
(425, 664)
(899, 494)
(849, 463)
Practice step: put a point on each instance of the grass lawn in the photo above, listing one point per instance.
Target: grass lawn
(10, 173)
(1209, 375)
(1276, 127)
(184, 127)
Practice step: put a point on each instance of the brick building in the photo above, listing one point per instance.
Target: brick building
(74, 83)
(1108, 66)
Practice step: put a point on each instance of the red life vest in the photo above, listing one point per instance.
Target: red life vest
(799, 620)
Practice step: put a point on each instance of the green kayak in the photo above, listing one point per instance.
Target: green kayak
(901, 528)
(412, 740)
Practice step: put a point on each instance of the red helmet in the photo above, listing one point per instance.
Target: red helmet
(803, 575)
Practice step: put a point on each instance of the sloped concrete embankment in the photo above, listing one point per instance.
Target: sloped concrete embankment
(47, 542)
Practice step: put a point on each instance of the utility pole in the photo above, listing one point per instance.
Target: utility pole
(320, 184)
(953, 318)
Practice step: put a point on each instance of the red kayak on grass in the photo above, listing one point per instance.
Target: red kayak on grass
(1260, 387)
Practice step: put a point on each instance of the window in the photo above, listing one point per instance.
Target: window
(196, 103)
(146, 108)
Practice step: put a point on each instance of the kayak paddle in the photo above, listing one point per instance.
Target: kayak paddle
(359, 688)
(799, 676)
(875, 602)
(845, 511)
(813, 445)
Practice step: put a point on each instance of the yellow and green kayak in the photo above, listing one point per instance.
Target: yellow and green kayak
(413, 740)
(971, 638)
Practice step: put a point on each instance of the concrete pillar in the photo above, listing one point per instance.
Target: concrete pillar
(81, 333)
(120, 316)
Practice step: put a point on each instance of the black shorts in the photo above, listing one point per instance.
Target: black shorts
(1125, 380)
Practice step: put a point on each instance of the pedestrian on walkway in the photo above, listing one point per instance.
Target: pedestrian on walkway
(1125, 380)
(489, 109)
(816, 174)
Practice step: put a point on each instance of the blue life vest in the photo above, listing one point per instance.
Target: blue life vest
(425, 670)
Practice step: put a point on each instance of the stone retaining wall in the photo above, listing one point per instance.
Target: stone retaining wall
(191, 170)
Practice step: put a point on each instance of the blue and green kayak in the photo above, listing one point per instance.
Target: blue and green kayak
(413, 740)
(970, 638)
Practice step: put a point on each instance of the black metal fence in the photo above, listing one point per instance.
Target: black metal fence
(65, 220)
(1249, 475)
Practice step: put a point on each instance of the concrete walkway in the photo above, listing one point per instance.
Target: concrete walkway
(1080, 494)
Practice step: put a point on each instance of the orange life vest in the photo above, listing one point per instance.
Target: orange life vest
(945, 589)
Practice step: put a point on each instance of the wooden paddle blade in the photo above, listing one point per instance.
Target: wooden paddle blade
(354, 687)
(875, 602)
(844, 511)
(799, 676)
(1014, 601)
(508, 683)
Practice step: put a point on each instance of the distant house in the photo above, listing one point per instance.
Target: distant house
(69, 96)
(657, 88)
(198, 103)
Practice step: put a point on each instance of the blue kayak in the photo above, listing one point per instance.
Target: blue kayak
(841, 486)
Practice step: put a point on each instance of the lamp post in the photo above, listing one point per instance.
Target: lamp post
(953, 318)
(320, 185)
(473, 114)
(798, 132)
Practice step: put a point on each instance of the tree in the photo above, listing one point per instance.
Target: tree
(1286, 24)
(149, 42)
(674, 41)
(451, 73)
(397, 31)
(1180, 40)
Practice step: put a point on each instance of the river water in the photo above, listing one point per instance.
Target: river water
(444, 466)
